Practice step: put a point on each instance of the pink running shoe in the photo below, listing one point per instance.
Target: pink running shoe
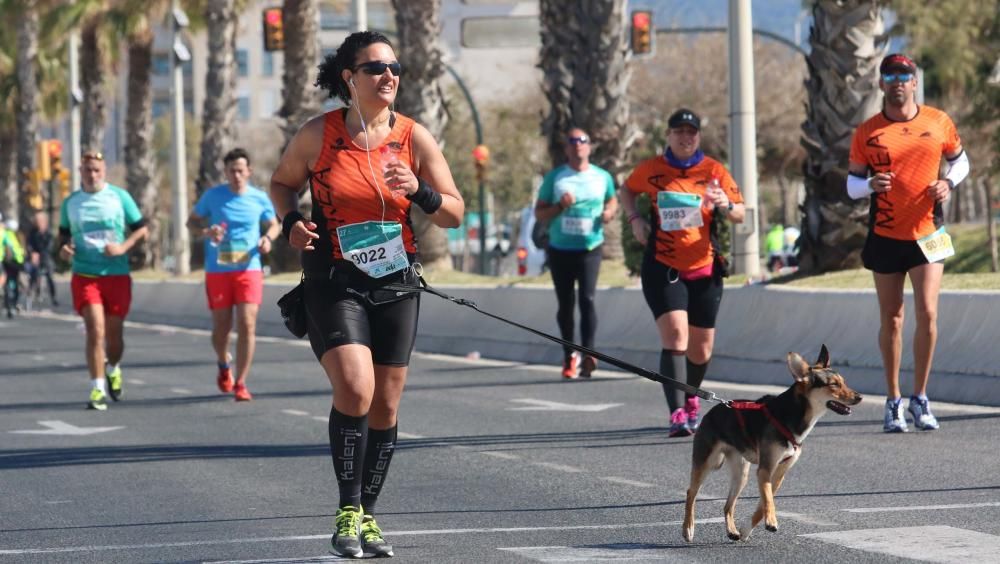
(691, 406)
(679, 424)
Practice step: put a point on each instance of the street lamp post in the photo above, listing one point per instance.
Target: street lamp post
(743, 135)
(75, 99)
(178, 161)
(480, 166)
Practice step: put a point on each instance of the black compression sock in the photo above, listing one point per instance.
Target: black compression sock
(378, 454)
(348, 439)
(672, 365)
(696, 374)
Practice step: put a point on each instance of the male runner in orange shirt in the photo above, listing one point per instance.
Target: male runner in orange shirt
(896, 158)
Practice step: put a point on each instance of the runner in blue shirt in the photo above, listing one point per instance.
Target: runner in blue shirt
(577, 199)
(230, 216)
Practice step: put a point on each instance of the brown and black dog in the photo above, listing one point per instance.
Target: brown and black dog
(769, 433)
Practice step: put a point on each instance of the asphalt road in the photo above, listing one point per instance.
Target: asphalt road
(498, 462)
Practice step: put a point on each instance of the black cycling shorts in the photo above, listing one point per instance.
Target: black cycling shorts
(341, 313)
(891, 256)
(665, 291)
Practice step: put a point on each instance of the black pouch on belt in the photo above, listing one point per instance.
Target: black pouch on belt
(293, 310)
(399, 287)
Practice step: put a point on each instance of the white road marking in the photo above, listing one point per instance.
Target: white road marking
(559, 467)
(922, 507)
(807, 519)
(323, 418)
(136, 381)
(326, 536)
(500, 455)
(935, 543)
(574, 554)
(546, 405)
(628, 482)
(401, 435)
(64, 428)
(181, 391)
(305, 560)
(295, 412)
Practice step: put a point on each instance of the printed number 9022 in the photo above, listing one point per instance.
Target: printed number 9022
(371, 255)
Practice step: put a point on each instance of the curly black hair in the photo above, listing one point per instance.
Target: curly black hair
(333, 64)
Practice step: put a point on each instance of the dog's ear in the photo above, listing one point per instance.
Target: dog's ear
(798, 367)
(824, 357)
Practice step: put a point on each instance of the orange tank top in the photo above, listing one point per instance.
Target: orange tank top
(346, 183)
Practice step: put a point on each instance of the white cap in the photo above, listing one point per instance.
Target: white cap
(11, 224)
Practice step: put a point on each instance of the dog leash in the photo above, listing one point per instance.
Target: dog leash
(648, 374)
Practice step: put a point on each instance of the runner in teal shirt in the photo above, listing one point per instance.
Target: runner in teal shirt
(577, 199)
(92, 228)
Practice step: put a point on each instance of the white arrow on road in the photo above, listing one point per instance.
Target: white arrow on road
(64, 428)
(545, 405)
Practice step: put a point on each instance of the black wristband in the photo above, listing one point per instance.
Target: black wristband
(289, 221)
(426, 197)
(951, 184)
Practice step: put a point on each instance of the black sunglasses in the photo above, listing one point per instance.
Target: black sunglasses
(377, 68)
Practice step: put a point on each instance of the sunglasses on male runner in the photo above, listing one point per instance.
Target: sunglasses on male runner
(377, 68)
(581, 140)
(897, 77)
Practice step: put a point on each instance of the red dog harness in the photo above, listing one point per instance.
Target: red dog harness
(739, 406)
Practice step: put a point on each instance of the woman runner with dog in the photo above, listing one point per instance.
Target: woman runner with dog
(682, 267)
(366, 165)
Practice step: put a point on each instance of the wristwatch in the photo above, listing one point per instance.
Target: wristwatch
(730, 206)
(951, 184)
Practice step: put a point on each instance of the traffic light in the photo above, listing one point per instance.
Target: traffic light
(642, 32)
(63, 182)
(54, 149)
(274, 30)
(481, 154)
(33, 188)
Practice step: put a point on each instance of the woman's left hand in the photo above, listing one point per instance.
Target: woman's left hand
(718, 199)
(401, 180)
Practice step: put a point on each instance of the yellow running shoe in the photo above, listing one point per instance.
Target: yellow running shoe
(114, 379)
(98, 400)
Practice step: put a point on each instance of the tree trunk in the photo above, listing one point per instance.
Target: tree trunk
(584, 58)
(220, 107)
(848, 43)
(8, 174)
(94, 73)
(421, 97)
(141, 177)
(991, 224)
(299, 100)
(27, 102)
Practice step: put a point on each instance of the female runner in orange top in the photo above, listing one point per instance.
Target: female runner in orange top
(366, 166)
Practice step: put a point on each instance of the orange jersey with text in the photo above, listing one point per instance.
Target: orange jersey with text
(683, 249)
(912, 151)
(345, 188)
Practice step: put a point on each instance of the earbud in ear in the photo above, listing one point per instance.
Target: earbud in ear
(351, 81)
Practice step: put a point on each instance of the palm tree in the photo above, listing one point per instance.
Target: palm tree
(140, 164)
(299, 97)
(421, 97)
(95, 69)
(8, 127)
(848, 43)
(27, 98)
(220, 84)
(584, 60)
